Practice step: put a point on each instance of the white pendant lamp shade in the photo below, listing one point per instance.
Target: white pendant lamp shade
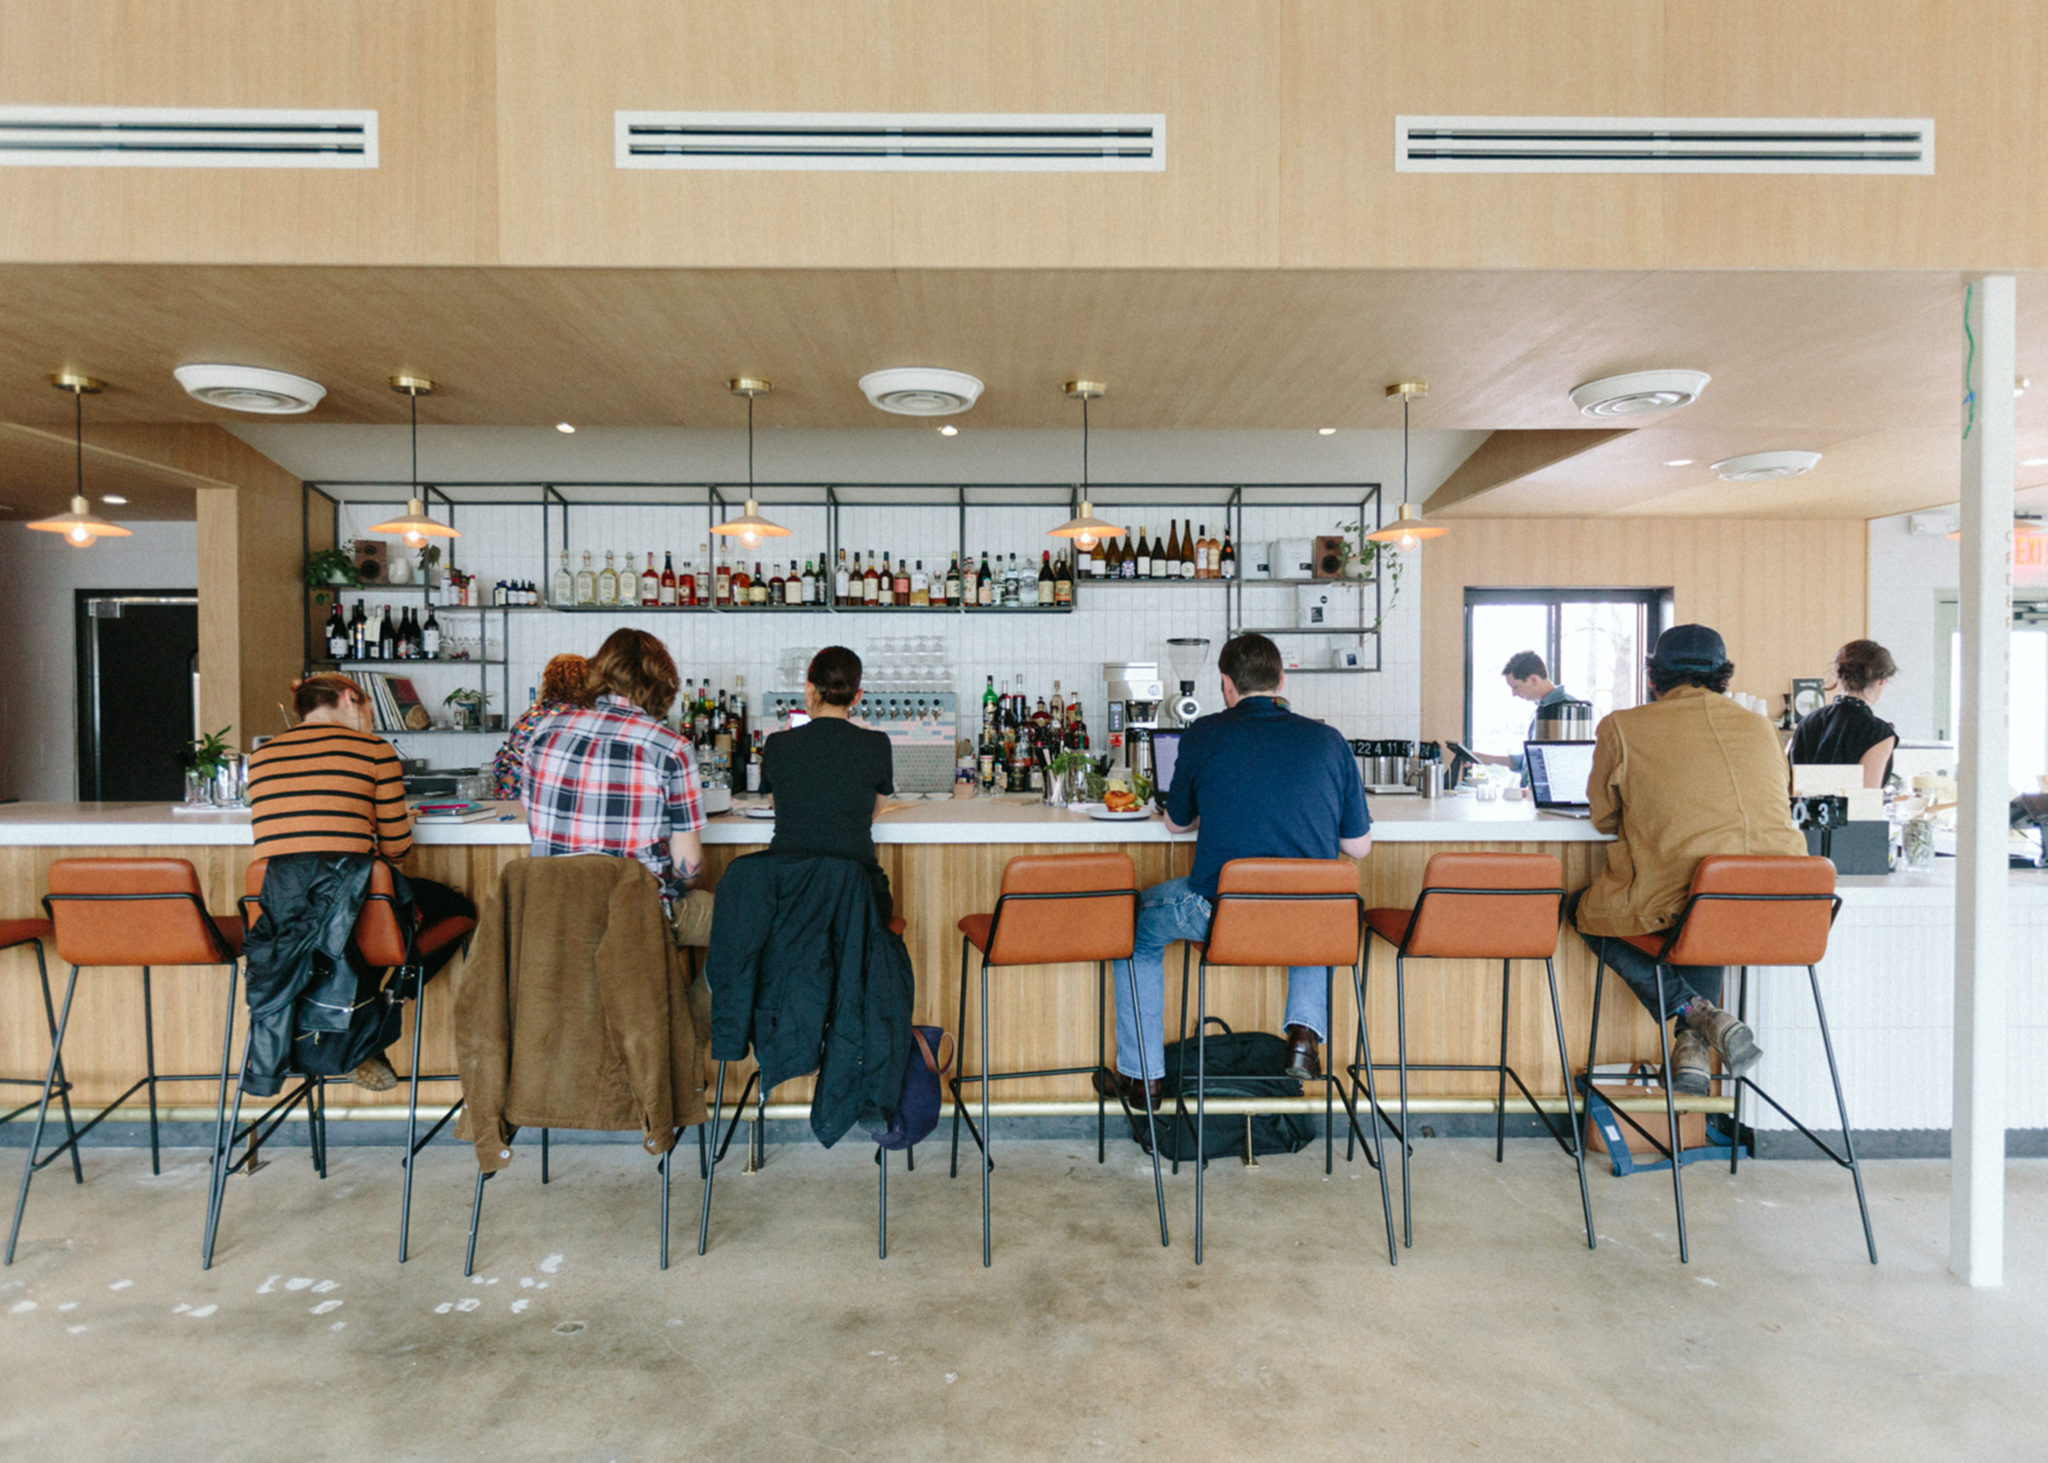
(414, 528)
(80, 526)
(1085, 529)
(750, 527)
(1408, 529)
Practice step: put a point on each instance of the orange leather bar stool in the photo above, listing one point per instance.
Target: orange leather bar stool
(126, 912)
(32, 932)
(1056, 909)
(1747, 911)
(1483, 906)
(1279, 911)
(386, 941)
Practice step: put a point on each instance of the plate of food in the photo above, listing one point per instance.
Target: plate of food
(1120, 804)
(1107, 814)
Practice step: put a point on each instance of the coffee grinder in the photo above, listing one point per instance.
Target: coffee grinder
(1187, 654)
(1134, 694)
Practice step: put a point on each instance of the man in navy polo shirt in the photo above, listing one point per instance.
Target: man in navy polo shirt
(1253, 781)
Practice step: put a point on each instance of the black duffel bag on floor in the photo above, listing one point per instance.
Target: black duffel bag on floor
(1232, 1057)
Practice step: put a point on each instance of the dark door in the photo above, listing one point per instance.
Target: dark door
(138, 660)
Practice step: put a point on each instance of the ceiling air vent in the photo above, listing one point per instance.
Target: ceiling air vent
(1663, 145)
(925, 142)
(186, 137)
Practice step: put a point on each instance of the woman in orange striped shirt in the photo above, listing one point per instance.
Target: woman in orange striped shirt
(329, 785)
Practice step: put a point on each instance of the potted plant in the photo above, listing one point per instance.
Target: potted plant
(329, 569)
(203, 758)
(1365, 561)
(430, 565)
(1063, 778)
(466, 708)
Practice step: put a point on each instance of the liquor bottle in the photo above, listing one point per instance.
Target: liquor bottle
(650, 583)
(984, 583)
(753, 762)
(986, 755)
(955, 586)
(1046, 591)
(885, 581)
(808, 585)
(742, 587)
(842, 581)
(1186, 568)
(357, 633)
(1063, 583)
(920, 585)
(1144, 568)
(629, 580)
(870, 582)
(722, 585)
(586, 582)
(430, 637)
(902, 583)
(1202, 562)
(563, 590)
(758, 589)
(1226, 561)
(1077, 729)
(608, 581)
(666, 588)
(775, 583)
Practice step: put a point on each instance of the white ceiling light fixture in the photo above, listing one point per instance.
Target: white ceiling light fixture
(113, 500)
(1084, 528)
(567, 429)
(1409, 528)
(80, 526)
(750, 527)
(1326, 431)
(949, 430)
(1637, 393)
(415, 527)
(250, 389)
(1765, 467)
(2034, 462)
(921, 391)
(1678, 462)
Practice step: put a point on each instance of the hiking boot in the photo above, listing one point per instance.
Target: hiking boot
(1725, 1034)
(1690, 1074)
(375, 1075)
(1303, 1060)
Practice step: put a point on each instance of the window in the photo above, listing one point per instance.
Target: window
(2026, 748)
(1593, 641)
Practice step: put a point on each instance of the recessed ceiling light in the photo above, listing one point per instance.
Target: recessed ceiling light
(2034, 462)
(565, 427)
(250, 388)
(1326, 431)
(921, 391)
(1639, 392)
(114, 498)
(1678, 462)
(949, 430)
(1765, 467)
(2020, 385)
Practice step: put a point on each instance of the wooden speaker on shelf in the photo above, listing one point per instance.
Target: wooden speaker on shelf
(370, 560)
(1329, 556)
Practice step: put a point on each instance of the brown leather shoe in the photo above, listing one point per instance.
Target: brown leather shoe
(375, 1074)
(1130, 1091)
(1303, 1058)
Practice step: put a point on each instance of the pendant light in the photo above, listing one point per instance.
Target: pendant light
(415, 528)
(1409, 528)
(80, 526)
(1085, 529)
(750, 527)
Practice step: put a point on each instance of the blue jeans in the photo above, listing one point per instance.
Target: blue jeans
(1681, 982)
(1172, 911)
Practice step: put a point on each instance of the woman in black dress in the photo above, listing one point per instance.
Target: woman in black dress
(1849, 730)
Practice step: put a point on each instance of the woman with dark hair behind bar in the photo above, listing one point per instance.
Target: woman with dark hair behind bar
(561, 689)
(829, 777)
(1849, 730)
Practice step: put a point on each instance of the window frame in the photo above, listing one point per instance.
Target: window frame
(1657, 606)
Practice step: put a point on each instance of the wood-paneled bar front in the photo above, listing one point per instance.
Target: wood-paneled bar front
(1041, 1016)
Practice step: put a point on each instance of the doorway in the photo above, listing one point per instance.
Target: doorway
(138, 693)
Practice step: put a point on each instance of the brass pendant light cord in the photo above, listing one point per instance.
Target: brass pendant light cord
(414, 398)
(750, 446)
(78, 438)
(1084, 446)
(1405, 404)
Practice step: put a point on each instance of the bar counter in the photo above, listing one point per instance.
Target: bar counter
(1888, 975)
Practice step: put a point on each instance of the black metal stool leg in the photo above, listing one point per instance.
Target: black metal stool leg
(1151, 1125)
(1842, 1108)
(711, 1161)
(63, 1082)
(988, 1137)
(544, 1155)
(149, 1056)
(1671, 1117)
(412, 1124)
(1735, 1119)
(1571, 1111)
(1201, 1090)
(663, 1170)
(1401, 1034)
(955, 1081)
(882, 1205)
(1180, 1106)
(1329, 1084)
(1500, 1101)
(1101, 1062)
(223, 1124)
(1372, 1122)
(476, 1214)
(35, 1142)
(1359, 984)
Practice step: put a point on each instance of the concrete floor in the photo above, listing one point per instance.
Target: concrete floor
(1498, 1332)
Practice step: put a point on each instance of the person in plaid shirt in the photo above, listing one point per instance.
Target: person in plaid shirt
(615, 778)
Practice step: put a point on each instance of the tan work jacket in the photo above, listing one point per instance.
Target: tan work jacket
(1688, 775)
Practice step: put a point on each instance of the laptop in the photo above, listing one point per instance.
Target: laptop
(1165, 753)
(1559, 773)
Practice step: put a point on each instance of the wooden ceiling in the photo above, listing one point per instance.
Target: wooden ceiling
(1864, 367)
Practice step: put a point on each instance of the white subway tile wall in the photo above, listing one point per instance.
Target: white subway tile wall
(1108, 624)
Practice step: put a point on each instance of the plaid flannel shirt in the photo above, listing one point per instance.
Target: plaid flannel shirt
(612, 779)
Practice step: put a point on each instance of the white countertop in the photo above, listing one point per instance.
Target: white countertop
(1002, 819)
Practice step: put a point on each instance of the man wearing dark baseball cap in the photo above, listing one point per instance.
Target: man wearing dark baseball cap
(1687, 776)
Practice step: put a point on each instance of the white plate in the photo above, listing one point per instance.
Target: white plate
(758, 813)
(1106, 816)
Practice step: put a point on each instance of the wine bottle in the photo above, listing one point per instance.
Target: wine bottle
(650, 582)
(841, 580)
(1063, 582)
(430, 638)
(1172, 555)
(1186, 567)
(758, 589)
(1226, 562)
(1047, 591)
(666, 590)
(954, 585)
(1144, 555)
(337, 633)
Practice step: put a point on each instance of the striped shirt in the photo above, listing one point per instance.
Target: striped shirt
(611, 779)
(326, 789)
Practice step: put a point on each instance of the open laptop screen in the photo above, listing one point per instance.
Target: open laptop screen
(1559, 772)
(1165, 752)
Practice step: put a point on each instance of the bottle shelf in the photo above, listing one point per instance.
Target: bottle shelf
(1305, 630)
(860, 609)
(405, 664)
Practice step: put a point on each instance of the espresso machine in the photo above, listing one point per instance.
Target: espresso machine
(1134, 694)
(1187, 654)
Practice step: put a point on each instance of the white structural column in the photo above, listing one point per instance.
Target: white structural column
(1977, 1176)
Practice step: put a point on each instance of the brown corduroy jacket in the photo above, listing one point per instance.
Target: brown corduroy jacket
(574, 1010)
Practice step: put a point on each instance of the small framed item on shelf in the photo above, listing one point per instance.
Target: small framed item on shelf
(1347, 658)
(1315, 606)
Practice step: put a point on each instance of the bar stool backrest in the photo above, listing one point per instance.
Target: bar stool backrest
(1515, 918)
(132, 911)
(1285, 911)
(1098, 920)
(378, 937)
(1754, 910)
